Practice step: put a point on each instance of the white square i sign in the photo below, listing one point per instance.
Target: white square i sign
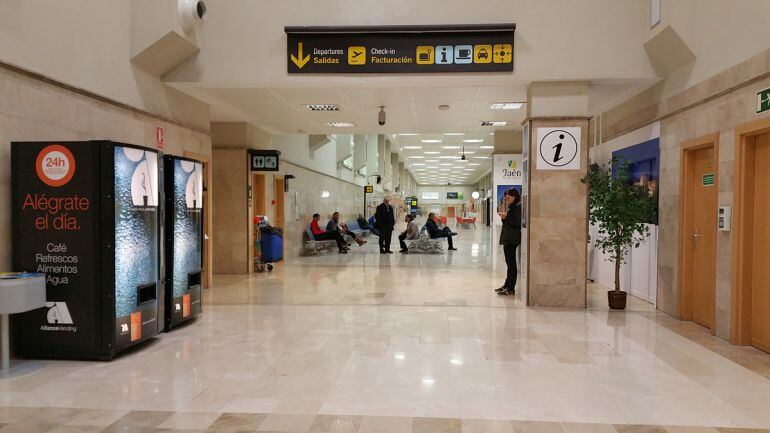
(558, 148)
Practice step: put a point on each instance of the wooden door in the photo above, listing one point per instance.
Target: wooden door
(278, 193)
(701, 234)
(450, 212)
(760, 273)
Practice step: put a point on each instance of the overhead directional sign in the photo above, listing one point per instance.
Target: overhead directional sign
(400, 49)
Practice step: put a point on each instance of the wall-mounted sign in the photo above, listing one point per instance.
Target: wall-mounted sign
(708, 179)
(400, 49)
(160, 141)
(763, 101)
(263, 160)
(454, 196)
(558, 148)
(368, 189)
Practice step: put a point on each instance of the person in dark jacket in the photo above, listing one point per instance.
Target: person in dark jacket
(434, 232)
(385, 221)
(510, 238)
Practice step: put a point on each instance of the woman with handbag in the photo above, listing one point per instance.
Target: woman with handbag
(510, 238)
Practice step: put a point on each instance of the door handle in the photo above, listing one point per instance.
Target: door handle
(696, 235)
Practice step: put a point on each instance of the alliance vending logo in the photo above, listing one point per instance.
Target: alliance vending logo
(55, 165)
(58, 318)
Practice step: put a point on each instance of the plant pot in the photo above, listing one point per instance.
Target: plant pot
(617, 299)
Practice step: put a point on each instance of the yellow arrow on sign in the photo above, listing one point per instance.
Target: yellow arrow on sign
(301, 61)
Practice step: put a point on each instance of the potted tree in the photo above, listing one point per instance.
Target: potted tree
(619, 209)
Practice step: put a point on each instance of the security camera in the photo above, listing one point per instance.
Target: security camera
(191, 13)
(381, 116)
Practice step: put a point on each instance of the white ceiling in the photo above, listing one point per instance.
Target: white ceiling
(439, 163)
(409, 109)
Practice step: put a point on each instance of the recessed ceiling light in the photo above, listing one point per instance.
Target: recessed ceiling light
(443, 107)
(416, 157)
(486, 147)
(432, 152)
(431, 160)
(492, 123)
(473, 140)
(449, 157)
(341, 124)
(446, 165)
(474, 163)
(505, 105)
(407, 135)
(430, 140)
(454, 133)
(450, 147)
(412, 147)
(482, 157)
(467, 152)
(469, 169)
(323, 107)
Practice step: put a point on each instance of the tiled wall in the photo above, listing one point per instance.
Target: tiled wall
(33, 110)
(230, 213)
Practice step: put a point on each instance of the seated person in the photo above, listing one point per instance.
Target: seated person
(435, 232)
(335, 225)
(412, 232)
(362, 222)
(369, 224)
(321, 235)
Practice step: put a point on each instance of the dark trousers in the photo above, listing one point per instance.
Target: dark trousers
(385, 236)
(509, 250)
(401, 239)
(446, 232)
(331, 236)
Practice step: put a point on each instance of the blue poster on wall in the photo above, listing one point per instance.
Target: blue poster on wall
(501, 190)
(644, 165)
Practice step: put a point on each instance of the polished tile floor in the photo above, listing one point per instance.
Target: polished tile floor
(364, 343)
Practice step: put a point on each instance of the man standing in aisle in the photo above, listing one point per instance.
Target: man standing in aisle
(385, 221)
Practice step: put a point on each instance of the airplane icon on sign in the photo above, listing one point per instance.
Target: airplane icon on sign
(357, 55)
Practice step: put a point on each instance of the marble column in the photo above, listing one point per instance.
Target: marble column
(556, 202)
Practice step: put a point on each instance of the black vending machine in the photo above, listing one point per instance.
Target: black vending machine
(183, 238)
(87, 215)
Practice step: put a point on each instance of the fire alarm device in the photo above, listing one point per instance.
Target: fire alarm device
(724, 218)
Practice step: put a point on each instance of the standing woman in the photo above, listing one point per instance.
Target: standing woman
(510, 238)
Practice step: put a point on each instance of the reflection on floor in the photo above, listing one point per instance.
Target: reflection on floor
(365, 343)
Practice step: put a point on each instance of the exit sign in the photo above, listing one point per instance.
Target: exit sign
(763, 101)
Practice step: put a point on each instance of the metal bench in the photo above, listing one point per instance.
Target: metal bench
(313, 246)
(355, 228)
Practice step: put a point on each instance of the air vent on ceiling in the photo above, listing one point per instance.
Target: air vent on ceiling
(492, 123)
(323, 107)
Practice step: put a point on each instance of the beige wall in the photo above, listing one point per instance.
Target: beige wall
(230, 213)
(88, 44)
(716, 104)
(32, 110)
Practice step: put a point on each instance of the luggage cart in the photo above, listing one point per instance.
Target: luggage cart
(268, 244)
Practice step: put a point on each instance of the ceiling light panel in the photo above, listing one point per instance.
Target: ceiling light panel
(505, 105)
(473, 140)
(492, 123)
(412, 147)
(430, 140)
(341, 124)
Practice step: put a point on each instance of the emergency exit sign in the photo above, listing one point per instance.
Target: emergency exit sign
(763, 101)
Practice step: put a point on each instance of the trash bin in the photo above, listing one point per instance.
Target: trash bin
(271, 239)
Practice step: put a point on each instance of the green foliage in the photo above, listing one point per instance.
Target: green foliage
(619, 209)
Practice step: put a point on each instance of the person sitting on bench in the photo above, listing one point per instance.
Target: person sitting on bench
(434, 232)
(321, 235)
(334, 225)
(365, 225)
(412, 232)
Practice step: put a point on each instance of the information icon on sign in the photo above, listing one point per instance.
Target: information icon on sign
(558, 148)
(445, 54)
